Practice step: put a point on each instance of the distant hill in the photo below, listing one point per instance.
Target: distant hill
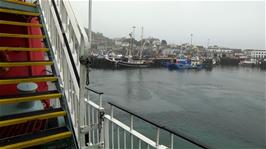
(100, 39)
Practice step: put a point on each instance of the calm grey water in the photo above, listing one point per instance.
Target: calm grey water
(224, 108)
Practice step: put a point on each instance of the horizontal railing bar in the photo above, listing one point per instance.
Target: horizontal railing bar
(179, 134)
(94, 91)
(94, 105)
(133, 132)
(140, 117)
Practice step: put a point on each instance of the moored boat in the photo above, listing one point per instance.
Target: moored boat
(133, 64)
(184, 63)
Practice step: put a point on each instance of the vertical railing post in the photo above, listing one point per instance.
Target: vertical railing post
(118, 138)
(106, 134)
(89, 122)
(101, 104)
(112, 112)
(101, 126)
(131, 122)
(131, 129)
(112, 126)
(125, 139)
(81, 99)
(93, 123)
(157, 136)
(172, 141)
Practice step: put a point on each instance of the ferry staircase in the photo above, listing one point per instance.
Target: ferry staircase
(39, 127)
(43, 44)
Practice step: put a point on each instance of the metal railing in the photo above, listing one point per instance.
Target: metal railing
(94, 119)
(150, 143)
(113, 134)
(68, 42)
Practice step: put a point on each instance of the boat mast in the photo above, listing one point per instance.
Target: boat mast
(132, 40)
(130, 48)
(141, 43)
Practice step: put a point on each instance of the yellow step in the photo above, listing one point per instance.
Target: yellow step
(19, 12)
(35, 97)
(7, 35)
(23, 49)
(39, 141)
(20, 120)
(21, 3)
(28, 79)
(19, 23)
(17, 64)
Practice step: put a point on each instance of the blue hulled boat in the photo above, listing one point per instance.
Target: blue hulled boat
(183, 63)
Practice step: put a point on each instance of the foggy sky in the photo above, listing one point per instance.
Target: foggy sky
(232, 24)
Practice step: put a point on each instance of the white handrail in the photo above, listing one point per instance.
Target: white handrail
(77, 40)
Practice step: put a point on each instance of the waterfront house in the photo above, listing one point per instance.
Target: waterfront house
(257, 54)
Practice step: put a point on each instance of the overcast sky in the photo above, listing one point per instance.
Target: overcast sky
(233, 24)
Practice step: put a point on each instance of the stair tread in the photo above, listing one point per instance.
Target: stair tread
(20, 23)
(28, 94)
(24, 63)
(14, 80)
(19, 12)
(21, 3)
(27, 114)
(35, 115)
(29, 97)
(36, 138)
(8, 35)
(27, 77)
(40, 137)
(22, 49)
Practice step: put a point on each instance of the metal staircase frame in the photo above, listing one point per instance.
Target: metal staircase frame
(51, 55)
(68, 42)
(45, 136)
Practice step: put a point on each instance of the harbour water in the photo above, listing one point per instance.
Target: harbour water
(224, 107)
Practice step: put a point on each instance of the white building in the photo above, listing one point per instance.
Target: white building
(118, 42)
(258, 54)
(219, 50)
(167, 52)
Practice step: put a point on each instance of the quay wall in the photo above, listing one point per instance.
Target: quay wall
(102, 63)
(229, 61)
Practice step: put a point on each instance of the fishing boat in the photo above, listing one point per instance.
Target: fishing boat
(134, 64)
(129, 62)
(184, 63)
